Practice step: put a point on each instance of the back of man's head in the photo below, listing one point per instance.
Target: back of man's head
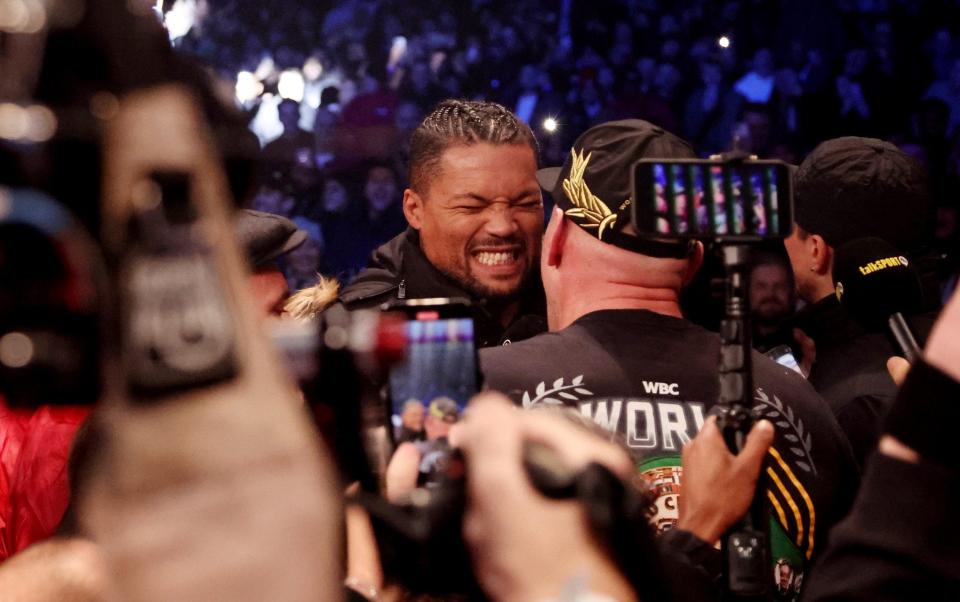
(462, 122)
(850, 188)
(594, 189)
(590, 241)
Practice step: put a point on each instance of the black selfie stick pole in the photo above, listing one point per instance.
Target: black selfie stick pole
(746, 545)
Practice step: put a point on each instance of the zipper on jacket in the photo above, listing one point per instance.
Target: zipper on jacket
(402, 289)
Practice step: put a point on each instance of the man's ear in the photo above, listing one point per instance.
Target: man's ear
(556, 237)
(695, 262)
(821, 254)
(413, 208)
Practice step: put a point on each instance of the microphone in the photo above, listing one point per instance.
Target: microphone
(877, 285)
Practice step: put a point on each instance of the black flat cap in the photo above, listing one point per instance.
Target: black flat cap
(266, 236)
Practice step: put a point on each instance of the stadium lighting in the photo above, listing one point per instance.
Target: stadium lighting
(312, 69)
(180, 18)
(723, 42)
(550, 125)
(248, 86)
(291, 85)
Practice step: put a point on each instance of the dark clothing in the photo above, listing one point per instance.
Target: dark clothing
(850, 370)
(652, 379)
(783, 335)
(405, 435)
(900, 540)
(400, 270)
(692, 567)
(434, 457)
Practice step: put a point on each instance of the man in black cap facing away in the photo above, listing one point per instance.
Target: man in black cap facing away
(620, 352)
(850, 188)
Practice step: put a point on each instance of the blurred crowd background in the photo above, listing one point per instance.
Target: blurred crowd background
(333, 89)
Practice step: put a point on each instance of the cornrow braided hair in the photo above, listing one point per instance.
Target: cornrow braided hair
(462, 122)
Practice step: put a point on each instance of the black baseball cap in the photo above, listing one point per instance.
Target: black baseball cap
(266, 236)
(850, 188)
(593, 187)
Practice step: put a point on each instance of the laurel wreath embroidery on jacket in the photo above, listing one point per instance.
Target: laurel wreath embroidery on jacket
(571, 392)
(783, 417)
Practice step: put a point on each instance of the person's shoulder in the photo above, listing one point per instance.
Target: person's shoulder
(771, 376)
(382, 276)
(527, 348)
(804, 420)
(503, 364)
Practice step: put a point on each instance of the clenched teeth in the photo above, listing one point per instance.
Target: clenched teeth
(494, 258)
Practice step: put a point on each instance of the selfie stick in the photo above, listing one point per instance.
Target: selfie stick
(745, 546)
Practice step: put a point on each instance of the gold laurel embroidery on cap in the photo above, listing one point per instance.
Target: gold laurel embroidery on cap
(592, 211)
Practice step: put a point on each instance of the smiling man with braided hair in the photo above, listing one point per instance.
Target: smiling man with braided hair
(476, 218)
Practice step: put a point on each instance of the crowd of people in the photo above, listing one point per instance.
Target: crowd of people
(780, 76)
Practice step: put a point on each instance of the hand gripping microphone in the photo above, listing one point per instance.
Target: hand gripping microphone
(877, 286)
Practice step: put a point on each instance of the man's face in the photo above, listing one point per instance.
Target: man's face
(334, 196)
(413, 416)
(799, 262)
(270, 291)
(770, 292)
(380, 189)
(481, 217)
(434, 428)
(784, 576)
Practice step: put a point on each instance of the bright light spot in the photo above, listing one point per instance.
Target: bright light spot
(291, 85)
(723, 42)
(550, 125)
(248, 87)
(312, 69)
(16, 350)
(42, 124)
(14, 122)
(36, 17)
(398, 48)
(14, 15)
(265, 68)
(180, 18)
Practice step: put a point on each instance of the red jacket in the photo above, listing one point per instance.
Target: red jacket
(34, 491)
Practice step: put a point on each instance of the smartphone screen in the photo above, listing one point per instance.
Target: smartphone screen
(430, 388)
(783, 355)
(702, 198)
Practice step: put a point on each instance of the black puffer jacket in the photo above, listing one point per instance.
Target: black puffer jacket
(400, 270)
